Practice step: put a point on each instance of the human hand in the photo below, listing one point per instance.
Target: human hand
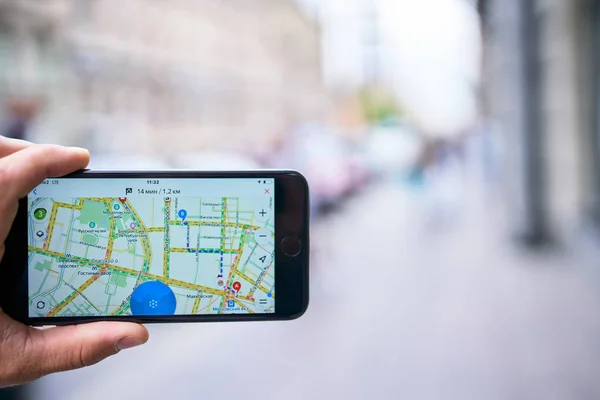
(28, 353)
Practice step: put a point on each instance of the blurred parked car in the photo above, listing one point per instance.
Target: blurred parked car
(358, 165)
(215, 161)
(126, 162)
(333, 170)
(392, 149)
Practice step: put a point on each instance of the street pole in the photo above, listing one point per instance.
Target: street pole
(537, 231)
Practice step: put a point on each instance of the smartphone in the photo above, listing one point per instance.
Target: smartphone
(159, 246)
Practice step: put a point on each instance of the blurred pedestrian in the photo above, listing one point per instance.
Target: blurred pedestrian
(20, 114)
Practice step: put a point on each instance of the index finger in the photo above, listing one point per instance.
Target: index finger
(22, 171)
(9, 146)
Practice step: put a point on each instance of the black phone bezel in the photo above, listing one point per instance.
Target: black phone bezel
(291, 276)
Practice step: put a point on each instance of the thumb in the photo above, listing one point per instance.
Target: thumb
(70, 347)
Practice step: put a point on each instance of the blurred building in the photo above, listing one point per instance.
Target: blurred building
(543, 83)
(353, 58)
(353, 45)
(162, 77)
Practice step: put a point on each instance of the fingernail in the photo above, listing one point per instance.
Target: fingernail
(128, 342)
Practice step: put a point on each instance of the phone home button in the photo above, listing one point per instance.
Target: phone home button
(291, 246)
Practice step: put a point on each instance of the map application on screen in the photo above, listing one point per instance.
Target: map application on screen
(149, 247)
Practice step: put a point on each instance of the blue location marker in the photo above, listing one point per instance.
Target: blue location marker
(153, 298)
(182, 214)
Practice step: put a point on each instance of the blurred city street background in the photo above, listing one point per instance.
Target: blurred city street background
(452, 149)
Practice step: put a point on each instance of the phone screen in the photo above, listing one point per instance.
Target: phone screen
(145, 246)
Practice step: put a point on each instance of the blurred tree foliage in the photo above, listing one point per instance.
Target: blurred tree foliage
(379, 105)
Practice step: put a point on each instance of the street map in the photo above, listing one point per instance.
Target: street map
(150, 255)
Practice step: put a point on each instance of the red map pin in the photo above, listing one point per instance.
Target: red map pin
(237, 286)
(122, 199)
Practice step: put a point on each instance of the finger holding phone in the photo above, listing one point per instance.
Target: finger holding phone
(28, 353)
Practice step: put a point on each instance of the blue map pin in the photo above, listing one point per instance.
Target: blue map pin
(182, 214)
